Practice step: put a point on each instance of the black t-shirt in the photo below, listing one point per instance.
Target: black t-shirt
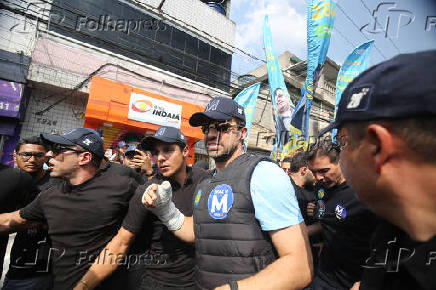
(30, 252)
(82, 219)
(347, 228)
(165, 258)
(15, 186)
(399, 263)
(304, 197)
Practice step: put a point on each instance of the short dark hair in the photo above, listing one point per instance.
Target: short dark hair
(95, 160)
(297, 161)
(324, 147)
(276, 90)
(34, 140)
(418, 133)
(239, 122)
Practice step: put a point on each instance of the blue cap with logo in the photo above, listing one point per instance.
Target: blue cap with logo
(164, 134)
(121, 144)
(131, 149)
(404, 86)
(218, 109)
(89, 139)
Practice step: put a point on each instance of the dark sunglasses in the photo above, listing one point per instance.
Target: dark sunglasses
(58, 149)
(220, 127)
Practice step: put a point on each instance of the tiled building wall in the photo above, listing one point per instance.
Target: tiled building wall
(66, 115)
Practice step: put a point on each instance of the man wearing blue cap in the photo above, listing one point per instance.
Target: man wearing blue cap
(84, 211)
(386, 120)
(156, 258)
(139, 160)
(247, 227)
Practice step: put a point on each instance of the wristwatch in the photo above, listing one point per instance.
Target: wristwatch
(233, 285)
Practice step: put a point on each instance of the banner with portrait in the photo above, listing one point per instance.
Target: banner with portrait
(282, 105)
(247, 98)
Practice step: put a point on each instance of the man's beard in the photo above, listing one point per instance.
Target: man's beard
(223, 157)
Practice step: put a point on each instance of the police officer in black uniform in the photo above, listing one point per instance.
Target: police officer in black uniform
(386, 120)
(346, 223)
(156, 259)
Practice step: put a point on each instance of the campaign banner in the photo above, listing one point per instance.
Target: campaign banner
(355, 63)
(282, 105)
(247, 98)
(146, 109)
(321, 15)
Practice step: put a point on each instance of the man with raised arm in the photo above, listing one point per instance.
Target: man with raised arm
(247, 227)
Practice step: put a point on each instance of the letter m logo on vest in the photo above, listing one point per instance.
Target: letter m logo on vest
(220, 201)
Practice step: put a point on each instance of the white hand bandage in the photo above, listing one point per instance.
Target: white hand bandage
(165, 209)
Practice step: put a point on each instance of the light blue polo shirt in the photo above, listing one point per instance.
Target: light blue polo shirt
(274, 200)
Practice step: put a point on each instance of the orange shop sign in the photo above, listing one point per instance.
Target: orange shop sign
(147, 109)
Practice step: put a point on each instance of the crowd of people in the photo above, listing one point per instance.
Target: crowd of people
(357, 212)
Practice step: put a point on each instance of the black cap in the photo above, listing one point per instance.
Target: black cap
(218, 109)
(89, 139)
(404, 86)
(164, 134)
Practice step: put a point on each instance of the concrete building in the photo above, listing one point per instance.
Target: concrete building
(180, 49)
(262, 133)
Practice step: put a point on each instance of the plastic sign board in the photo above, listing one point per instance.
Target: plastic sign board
(146, 109)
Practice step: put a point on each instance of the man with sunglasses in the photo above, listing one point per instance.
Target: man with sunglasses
(84, 211)
(346, 223)
(156, 258)
(247, 227)
(29, 258)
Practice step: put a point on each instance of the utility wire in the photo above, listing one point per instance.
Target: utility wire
(357, 27)
(370, 13)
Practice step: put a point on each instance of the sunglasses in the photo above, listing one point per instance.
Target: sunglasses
(59, 149)
(220, 127)
(25, 156)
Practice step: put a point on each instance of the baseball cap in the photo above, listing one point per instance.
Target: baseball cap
(218, 109)
(165, 134)
(404, 86)
(121, 144)
(130, 149)
(89, 139)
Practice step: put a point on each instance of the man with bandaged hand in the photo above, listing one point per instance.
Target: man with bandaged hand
(247, 227)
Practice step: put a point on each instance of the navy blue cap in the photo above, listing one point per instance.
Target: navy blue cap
(404, 86)
(132, 147)
(89, 139)
(164, 134)
(121, 144)
(218, 109)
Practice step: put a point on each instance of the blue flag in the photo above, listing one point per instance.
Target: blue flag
(247, 98)
(282, 105)
(354, 64)
(321, 15)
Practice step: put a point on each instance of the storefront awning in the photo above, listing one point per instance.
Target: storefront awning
(109, 103)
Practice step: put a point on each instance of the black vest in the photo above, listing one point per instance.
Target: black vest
(231, 245)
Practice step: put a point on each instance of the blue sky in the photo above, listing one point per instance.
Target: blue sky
(288, 26)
